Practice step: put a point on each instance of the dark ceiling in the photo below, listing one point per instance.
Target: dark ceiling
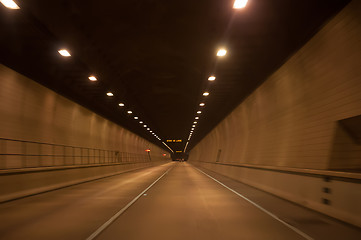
(156, 55)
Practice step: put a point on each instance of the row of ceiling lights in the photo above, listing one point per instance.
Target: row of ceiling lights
(65, 53)
(238, 4)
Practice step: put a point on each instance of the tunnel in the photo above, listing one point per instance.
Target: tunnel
(169, 120)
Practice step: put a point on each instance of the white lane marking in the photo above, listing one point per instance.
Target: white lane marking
(261, 208)
(112, 219)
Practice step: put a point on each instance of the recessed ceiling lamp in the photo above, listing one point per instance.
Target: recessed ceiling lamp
(92, 78)
(195, 122)
(221, 52)
(148, 129)
(193, 125)
(121, 104)
(64, 53)
(144, 125)
(141, 122)
(135, 118)
(199, 112)
(10, 4)
(196, 118)
(110, 94)
(202, 104)
(238, 4)
(205, 93)
(129, 112)
(211, 78)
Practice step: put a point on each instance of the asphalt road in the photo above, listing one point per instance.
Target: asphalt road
(182, 203)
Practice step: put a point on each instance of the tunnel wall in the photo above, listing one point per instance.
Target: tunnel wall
(48, 141)
(293, 122)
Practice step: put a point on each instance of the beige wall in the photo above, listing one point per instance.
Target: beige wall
(31, 112)
(285, 136)
(291, 119)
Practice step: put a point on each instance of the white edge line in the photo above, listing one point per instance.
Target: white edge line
(261, 208)
(113, 218)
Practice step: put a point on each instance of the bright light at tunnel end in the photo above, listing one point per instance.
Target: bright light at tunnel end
(238, 4)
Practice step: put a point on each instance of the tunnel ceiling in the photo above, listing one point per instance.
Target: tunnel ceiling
(155, 55)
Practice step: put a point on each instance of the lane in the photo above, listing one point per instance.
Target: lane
(73, 212)
(315, 224)
(186, 204)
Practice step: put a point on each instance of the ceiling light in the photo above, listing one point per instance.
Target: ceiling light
(221, 52)
(199, 112)
(148, 129)
(193, 125)
(110, 94)
(195, 122)
(10, 4)
(141, 122)
(135, 117)
(202, 104)
(121, 104)
(196, 118)
(205, 93)
(92, 78)
(144, 125)
(192, 129)
(129, 112)
(211, 78)
(151, 131)
(64, 53)
(239, 4)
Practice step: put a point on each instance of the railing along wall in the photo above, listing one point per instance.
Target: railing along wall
(29, 154)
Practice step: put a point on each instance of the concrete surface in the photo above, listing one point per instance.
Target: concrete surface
(184, 204)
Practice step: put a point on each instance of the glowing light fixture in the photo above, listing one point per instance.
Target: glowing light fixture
(196, 118)
(129, 112)
(64, 53)
(148, 129)
(141, 122)
(239, 4)
(110, 94)
(211, 78)
(192, 129)
(144, 125)
(135, 117)
(92, 78)
(202, 104)
(205, 93)
(121, 104)
(195, 122)
(221, 52)
(193, 125)
(199, 112)
(10, 4)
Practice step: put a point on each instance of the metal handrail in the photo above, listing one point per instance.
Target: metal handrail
(15, 153)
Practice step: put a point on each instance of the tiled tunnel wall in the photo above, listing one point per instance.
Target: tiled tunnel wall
(41, 128)
(292, 119)
(296, 136)
(49, 142)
